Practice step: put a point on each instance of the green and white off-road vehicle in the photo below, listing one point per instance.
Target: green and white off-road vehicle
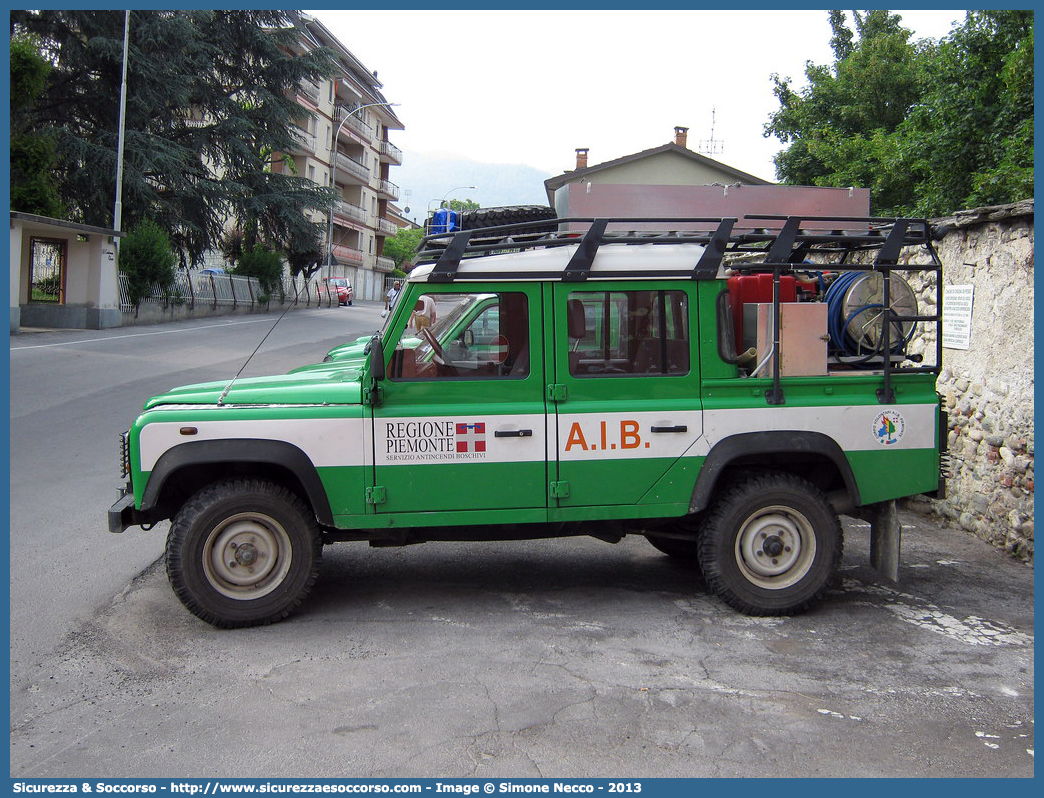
(723, 388)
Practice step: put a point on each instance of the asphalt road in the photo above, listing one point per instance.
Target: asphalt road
(559, 658)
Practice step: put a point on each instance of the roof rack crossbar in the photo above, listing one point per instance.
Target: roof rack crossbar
(783, 244)
(579, 265)
(707, 266)
(889, 254)
(447, 264)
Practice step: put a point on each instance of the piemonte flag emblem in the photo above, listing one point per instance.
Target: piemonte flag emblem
(471, 437)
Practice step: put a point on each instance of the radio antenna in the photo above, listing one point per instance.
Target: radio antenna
(224, 393)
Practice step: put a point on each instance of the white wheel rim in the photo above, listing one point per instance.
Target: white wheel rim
(247, 556)
(775, 547)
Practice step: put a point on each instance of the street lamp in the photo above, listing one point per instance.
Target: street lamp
(442, 202)
(330, 259)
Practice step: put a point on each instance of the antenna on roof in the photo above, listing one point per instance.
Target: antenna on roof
(710, 146)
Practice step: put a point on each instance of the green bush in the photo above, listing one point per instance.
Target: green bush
(265, 265)
(147, 260)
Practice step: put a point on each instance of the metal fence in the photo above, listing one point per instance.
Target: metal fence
(193, 289)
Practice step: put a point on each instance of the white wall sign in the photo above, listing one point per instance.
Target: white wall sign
(957, 316)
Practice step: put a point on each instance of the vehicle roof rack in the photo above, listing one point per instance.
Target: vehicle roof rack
(784, 245)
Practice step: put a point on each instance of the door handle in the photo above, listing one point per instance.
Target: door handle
(513, 433)
(679, 428)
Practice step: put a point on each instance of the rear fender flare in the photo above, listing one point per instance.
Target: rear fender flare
(748, 446)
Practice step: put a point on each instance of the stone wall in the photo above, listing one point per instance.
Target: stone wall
(988, 388)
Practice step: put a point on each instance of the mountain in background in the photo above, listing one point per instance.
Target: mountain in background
(428, 177)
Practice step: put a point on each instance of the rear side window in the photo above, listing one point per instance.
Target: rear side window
(627, 333)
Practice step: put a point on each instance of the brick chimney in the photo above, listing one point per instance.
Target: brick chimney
(581, 157)
(681, 136)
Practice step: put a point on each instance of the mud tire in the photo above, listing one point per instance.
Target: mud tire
(243, 552)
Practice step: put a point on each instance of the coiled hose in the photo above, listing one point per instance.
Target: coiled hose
(838, 321)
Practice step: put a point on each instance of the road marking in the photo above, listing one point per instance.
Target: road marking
(972, 630)
(138, 335)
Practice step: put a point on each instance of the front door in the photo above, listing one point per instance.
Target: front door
(462, 423)
(627, 387)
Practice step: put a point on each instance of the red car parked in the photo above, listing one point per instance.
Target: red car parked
(345, 293)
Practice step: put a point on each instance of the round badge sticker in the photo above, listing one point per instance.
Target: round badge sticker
(889, 427)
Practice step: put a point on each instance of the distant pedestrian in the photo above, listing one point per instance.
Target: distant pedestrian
(390, 297)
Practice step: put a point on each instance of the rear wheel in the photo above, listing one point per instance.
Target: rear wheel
(243, 553)
(770, 545)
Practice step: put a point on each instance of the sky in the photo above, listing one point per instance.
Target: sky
(531, 87)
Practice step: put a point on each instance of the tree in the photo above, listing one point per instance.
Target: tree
(970, 138)
(402, 248)
(930, 127)
(33, 156)
(264, 265)
(210, 106)
(147, 260)
(462, 205)
(839, 126)
(304, 252)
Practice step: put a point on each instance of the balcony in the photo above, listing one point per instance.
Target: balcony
(384, 227)
(384, 264)
(354, 122)
(390, 153)
(348, 254)
(350, 212)
(309, 90)
(349, 167)
(388, 190)
(305, 141)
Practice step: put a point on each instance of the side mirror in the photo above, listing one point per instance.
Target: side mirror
(376, 358)
(468, 338)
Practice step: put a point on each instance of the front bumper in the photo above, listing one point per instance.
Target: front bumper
(122, 514)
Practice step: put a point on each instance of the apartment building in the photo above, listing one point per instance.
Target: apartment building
(344, 142)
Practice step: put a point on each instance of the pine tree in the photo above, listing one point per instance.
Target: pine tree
(210, 102)
(33, 156)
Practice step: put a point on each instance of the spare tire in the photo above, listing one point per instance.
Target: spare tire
(510, 214)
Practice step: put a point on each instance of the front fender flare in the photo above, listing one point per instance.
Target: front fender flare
(242, 450)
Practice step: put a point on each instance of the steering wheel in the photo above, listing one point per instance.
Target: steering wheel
(438, 353)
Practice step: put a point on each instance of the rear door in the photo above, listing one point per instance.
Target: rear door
(626, 386)
(462, 424)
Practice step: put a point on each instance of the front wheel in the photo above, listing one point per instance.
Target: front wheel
(242, 553)
(771, 545)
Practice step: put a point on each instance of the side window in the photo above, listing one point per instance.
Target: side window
(464, 336)
(624, 333)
